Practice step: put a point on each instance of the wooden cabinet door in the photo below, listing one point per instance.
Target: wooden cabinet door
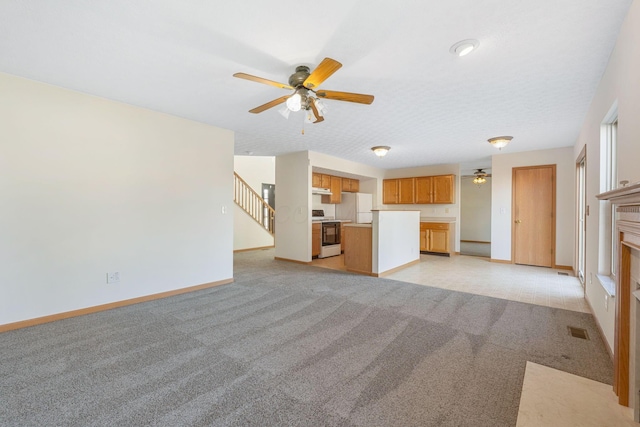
(355, 185)
(389, 191)
(442, 189)
(346, 185)
(336, 189)
(438, 241)
(325, 181)
(423, 239)
(316, 231)
(423, 189)
(342, 240)
(316, 180)
(406, 192)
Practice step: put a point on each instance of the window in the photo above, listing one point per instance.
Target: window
(608, 181)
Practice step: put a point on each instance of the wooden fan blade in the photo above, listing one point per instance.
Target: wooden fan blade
(269, 104)
(322, 72)
(261, 80)
(345, 96)
(319, 118)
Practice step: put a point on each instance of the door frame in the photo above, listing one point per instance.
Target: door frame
(553, 211)
(581, 159)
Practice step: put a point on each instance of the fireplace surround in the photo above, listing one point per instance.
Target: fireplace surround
(626, 351)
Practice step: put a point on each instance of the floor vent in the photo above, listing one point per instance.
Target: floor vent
(560, 273)
(578, 333)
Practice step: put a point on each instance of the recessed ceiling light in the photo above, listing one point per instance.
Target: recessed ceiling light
(464, 47)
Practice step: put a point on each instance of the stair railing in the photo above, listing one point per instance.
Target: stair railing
(253, 204)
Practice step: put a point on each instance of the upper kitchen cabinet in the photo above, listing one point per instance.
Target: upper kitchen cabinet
(443, 193)
(398, 191)
(320, 180)
(421, 190)
(350, 185)
(336, 191)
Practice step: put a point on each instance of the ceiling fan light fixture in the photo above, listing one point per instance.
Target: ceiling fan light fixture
(294, 102)
(479, 180)
(284, 111)
(381, 150)
(464, 47)
(500, 141)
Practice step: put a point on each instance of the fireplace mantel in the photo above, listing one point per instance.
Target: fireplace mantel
(629, 194)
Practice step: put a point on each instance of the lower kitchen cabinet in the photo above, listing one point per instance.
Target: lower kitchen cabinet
(316, 238)
(436, 237)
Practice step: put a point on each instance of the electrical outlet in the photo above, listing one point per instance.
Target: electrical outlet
(446, 210)
(113, 277)
(606, 302)
(224, 210)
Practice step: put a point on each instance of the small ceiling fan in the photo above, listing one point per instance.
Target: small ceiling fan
(480, 176)
(304, 84)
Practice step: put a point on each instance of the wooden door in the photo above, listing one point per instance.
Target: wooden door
(423, 189)
(533, 226)
(389, 191)
(443, 189)
(355, 185)
(316, 180)
(406, 194)
(325, 181)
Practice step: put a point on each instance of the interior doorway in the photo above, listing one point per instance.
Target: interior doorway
(475, 217)
(581, 210)
(534, 215)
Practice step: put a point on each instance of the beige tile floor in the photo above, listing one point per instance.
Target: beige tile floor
(477, 275)
(555, 398)
(549, 397)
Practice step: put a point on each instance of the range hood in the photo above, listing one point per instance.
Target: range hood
(317, 190)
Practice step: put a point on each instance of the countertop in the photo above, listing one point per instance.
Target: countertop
(437, 219)
(320, 221)
(368, 225)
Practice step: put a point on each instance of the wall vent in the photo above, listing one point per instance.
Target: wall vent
(560, 273)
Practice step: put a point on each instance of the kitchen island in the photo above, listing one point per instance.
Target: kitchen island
(391, 242)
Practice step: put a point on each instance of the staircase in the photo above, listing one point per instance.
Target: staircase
(253, 204)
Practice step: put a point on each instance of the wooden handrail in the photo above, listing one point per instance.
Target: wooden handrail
(253, 204)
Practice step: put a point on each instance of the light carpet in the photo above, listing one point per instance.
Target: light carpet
(292, 345)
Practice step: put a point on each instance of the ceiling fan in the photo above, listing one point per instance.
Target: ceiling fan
(305, 95)
(479, 176)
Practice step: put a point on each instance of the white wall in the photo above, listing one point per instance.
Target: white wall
(501, 170)
(475, 210)
(395, 239)
(90, 186)
(293, 207)
(619, 83)
(255, 170)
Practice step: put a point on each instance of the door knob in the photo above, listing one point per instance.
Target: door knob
(518, 221)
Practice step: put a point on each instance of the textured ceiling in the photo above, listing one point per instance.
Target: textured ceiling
(533, 75)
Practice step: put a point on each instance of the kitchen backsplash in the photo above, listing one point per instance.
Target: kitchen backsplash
(316, 203)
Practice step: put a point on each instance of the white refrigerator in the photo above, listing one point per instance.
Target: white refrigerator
(355, 207)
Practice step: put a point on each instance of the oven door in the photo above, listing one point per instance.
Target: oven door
(330, 233)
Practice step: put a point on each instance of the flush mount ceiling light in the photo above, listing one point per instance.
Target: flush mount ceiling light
(500, 141)
(381, 150)
(464, 47)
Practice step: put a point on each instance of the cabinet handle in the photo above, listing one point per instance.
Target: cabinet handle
(518, 221)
